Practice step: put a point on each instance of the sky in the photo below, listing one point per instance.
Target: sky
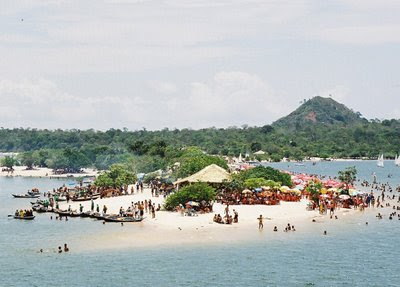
(193, 64)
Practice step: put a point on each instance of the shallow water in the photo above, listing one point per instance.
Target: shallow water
(352, 254)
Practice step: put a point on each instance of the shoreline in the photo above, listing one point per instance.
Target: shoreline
(171, 229)
(42, 172)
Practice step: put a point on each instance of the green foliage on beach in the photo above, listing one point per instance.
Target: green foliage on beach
(118, 176)
(314, 188)
(194, 160)
(8, 161)
(320, 127)
(197, 192)
(253, 183)
(267, 173)
(348, 176)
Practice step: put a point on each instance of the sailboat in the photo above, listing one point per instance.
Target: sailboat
(397, 160)
(380, 161)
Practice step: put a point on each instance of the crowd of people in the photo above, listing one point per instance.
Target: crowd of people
(23, 213)
(268, 197)
(228, 218)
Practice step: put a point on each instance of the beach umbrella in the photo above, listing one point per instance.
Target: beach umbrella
(333, 189)
(284, 188)
(247, 191)
(266, 187)
(192, 203)
(258, 189)
(324, 190)
(344, 196)
(296, 191)
(354, 192)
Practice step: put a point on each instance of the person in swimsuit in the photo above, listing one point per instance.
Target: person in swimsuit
(260, 222)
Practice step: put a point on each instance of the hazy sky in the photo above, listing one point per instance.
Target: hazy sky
(185, 63)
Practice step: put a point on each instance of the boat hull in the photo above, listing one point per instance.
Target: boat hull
(24, 217)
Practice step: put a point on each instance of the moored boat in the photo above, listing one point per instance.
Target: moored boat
(122, 219)
(85, 198)
(25, 195)
(24, 217)
(39, 208)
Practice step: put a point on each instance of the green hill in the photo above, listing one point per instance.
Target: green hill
(319, 111)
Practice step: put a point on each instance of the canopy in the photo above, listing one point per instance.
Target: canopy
(192, 203)
(212, 174)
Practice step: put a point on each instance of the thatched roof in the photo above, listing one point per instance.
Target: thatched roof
(212, 174)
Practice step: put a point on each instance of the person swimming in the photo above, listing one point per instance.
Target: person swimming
(66, 249)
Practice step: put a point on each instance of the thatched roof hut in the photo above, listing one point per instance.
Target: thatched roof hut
(211, 174)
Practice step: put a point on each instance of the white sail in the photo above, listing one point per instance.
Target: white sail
(380, 162)
(397, 160)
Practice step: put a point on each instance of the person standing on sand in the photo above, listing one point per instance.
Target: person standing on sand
(260, 222)
(92, 205)
(97, 208)
(104, 209)
(227, 210)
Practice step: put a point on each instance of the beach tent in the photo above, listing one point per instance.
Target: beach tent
(211, 174)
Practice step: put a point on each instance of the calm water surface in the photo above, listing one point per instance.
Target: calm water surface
(357, 255)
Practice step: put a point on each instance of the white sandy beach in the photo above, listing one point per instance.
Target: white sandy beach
(45, 172)
(171, 228)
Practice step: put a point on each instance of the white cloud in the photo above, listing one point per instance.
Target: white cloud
(229, 98)
(234, 98)
(363, 34)
(169, 49)
(161, 87)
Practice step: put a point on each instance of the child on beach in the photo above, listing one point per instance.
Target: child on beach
(260, 222)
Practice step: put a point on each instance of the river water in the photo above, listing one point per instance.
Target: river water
(353, 254)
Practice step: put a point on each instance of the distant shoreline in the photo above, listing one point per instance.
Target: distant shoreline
(42, 172)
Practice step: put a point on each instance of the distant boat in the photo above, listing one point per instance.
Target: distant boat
(380, 162)
(397, 160)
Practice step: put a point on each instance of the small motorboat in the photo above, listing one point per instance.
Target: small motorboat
(28, 195)
(39, 208)
(100, 216)
(65, 212)
(87, 214)
(87, 198)
(74, 214)
(24, 217)
(122, 219)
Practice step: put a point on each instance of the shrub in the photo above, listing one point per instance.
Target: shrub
(196, 192)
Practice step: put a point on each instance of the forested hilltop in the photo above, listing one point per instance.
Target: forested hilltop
(319, 127)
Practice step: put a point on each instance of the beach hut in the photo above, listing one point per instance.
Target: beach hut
(210, 174)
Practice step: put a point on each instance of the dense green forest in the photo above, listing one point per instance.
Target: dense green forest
(319, 127)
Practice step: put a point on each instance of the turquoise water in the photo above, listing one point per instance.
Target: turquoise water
(353, 254)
